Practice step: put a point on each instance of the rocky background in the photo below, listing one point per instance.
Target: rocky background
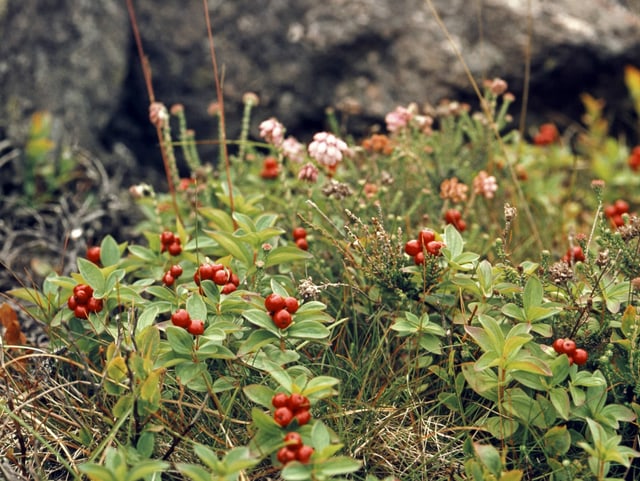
(77, 59)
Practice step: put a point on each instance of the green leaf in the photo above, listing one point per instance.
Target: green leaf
(147, 467)
(109, 251)
(91, 274)
(320, 436)
(514, 311)
(560, 400)
(261, 319)
(147, 318)
(143, 253)
(532, 295)
(256, 340)
(97, 472)
(453, 241)
(259, 394)
(196, 307)
(557, 441)
(180, 340)
(296, 471)
(219, 218)
(194, 472)
(485, 278)
(308, 330)
(284, 254)
(338, 465)
(233, 246)
(490, 457)
(123, 407)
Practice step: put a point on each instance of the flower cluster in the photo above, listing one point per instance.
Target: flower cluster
(272, 131)
(485, 185)
(308, 173)
(398, 119)
(327, 149)
(453, 190)
(293, 150)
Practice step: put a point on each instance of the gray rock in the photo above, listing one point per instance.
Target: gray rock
(66, 56)
(301, 56)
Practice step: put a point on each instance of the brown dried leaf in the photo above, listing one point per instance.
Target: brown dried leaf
(13, 335)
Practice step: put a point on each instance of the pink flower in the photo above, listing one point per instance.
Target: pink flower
(308, 173)
(398, 119)
(327, 149)
(485, 185)
(293, 150)
(272, 131)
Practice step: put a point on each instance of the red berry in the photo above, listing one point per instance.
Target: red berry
(558, 345)
(413, 247)
(72, 302)
(282, 319)
(175, 249)
(269, 174)
(580, 357)
(419, 258)
(274, 302)
(234, 279)
(293, 440)
(167, 238)
(461, 225)
(206, 272)
(610, 211)
(94, 305)
(298, 402)
(291, 304)
(426, 236)
(196, 327)
(568, 347)
(302, 244)
(434, 247)
(280, 400)
(83, 293)
(176, 270)
(303, 417)
(221, 277)
(228, 288)
(286, 455)
(168, 279)
(93, 254)
(577, 254)
(452, 216)
(283, 416)
(299, 233)
(81, 312)
(617, 220)
(622, 206)
(181, 318)
(303, 454)
(270, 163)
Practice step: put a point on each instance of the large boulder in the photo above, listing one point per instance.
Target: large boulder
(77, 58)
(69, 57)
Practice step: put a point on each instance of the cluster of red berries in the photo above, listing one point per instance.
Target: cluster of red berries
(574, 254)
(634, 159)
(181, 318)
(426, 241)
(171, 243)
(295, 450)
(614, 212)
(270, 169)
(454, 217)
(281, 309)
(172, 274)
(93, 254)
(82, 301)
(568, 347)
(289, 407)
(219, 274)
(547, 134)
(300, 238)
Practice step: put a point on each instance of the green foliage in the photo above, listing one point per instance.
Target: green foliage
(438, 362)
